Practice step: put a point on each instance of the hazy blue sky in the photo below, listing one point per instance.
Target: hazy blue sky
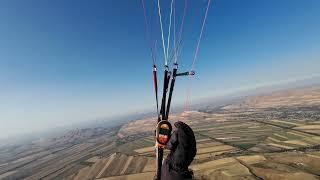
(67, 61)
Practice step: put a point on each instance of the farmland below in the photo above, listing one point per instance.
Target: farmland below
(270, 136)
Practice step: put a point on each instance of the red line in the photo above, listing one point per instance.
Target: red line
(183, 17)
(147, 31)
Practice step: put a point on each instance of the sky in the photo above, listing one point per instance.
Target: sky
(68, 61)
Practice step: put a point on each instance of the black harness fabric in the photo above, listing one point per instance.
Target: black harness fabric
(182, 146)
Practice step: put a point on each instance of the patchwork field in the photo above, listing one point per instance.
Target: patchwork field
(117, 164)
(57, 157)
(275, 136)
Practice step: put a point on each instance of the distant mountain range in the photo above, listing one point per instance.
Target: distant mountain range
(237, 96)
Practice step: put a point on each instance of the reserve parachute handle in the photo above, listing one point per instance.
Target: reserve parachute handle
(163, 132)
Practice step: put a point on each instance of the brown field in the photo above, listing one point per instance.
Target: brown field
(144, 150)
(275, 136)
(214, 149)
